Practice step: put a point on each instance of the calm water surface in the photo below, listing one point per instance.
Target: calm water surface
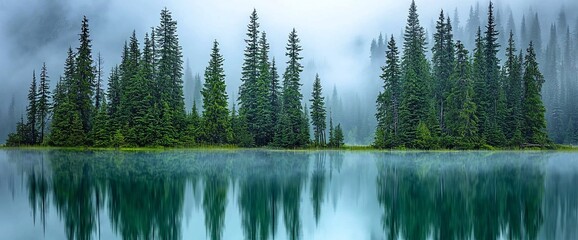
(257, 194)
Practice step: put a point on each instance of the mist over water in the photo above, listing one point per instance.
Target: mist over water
(336, 37)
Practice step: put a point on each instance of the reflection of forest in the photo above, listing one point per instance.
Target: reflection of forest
(422, 195)
(479, 196)
(144, 192)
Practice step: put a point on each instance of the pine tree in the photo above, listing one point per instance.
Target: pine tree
(249, 91)
(241, 135)
(331, 142)
(82, 87)
(461, 118)
(32, 112)
(43, 102)
(198, 86)
(289, 128)
(100, 132)
(274, 94)
(513, 87)
(318, 114)
(114, 98)
(443, 62)
(492, 129)
(415, 106)
(388, 102)
(216, 114)
(305, 134)
(98, 91)
(168, 64)
(534, 121)
(62, 110)
(480, 87)
(338, 135)
(262, 127)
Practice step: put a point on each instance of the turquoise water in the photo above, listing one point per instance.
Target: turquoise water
(258, 194)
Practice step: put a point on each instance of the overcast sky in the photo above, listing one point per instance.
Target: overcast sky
(334, 34)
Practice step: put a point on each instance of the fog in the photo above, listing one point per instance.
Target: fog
(335, 35)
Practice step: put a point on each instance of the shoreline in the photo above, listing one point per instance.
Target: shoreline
(357, 148)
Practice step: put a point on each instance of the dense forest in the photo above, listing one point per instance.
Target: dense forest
(143, 104)
(447, 98)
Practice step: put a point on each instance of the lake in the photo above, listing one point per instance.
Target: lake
(261, 194)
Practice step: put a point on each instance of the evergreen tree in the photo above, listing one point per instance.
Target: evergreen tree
(249, 91)
(198, 86)
(338, 135)
(492, 130)
(216, 114)
(289, 128)
(43, 102)
(32, 112)
(513, 87)
(461, 118)
(241, 135)
(168, 64)
(389, 100)
(274, 94)
(114, 98)
(318, 114)
(305, 134)
(443, 63)
(100, 133)
(98, 91)
(480, 87)
(331, 142)
(82, 87)
(262, 127)
(534, 121)
(415, 103)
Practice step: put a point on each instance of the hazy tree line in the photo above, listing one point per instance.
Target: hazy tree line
(144, 103)
(556, 53)
(458, 99)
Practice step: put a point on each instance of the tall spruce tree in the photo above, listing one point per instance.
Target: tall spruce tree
(168, 64)
(492, 129)
(513, 80)
(82, 87)
(43, 104)
(275, 94)
(388, 102)
(114, 99)
(534, 121)
(415, 106)
(318, 114)
(262, 128)
(480, 85)
(248, 91)
(32, 112)
(289, 129)
(98, 91)
(63, 108)
(443, 64)
(217, 128)
(461, 118)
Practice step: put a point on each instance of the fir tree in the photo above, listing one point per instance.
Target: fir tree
(100, 132)
(443, 63)
(461, 118)
(241, 135)
(274, 94)
(98, 91)
(415, 104)
(339, 140)
(32, 112)
(249, 91)
(114, 98)
(289, 128)
(534, 121)
(513, 87)
(318, 114)
(216, 114)
(43, 102)
(493, 131)
(262, 127)
(82, 87)
(388, 102)
(168, 64)
(331, 142)
(480, 87)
